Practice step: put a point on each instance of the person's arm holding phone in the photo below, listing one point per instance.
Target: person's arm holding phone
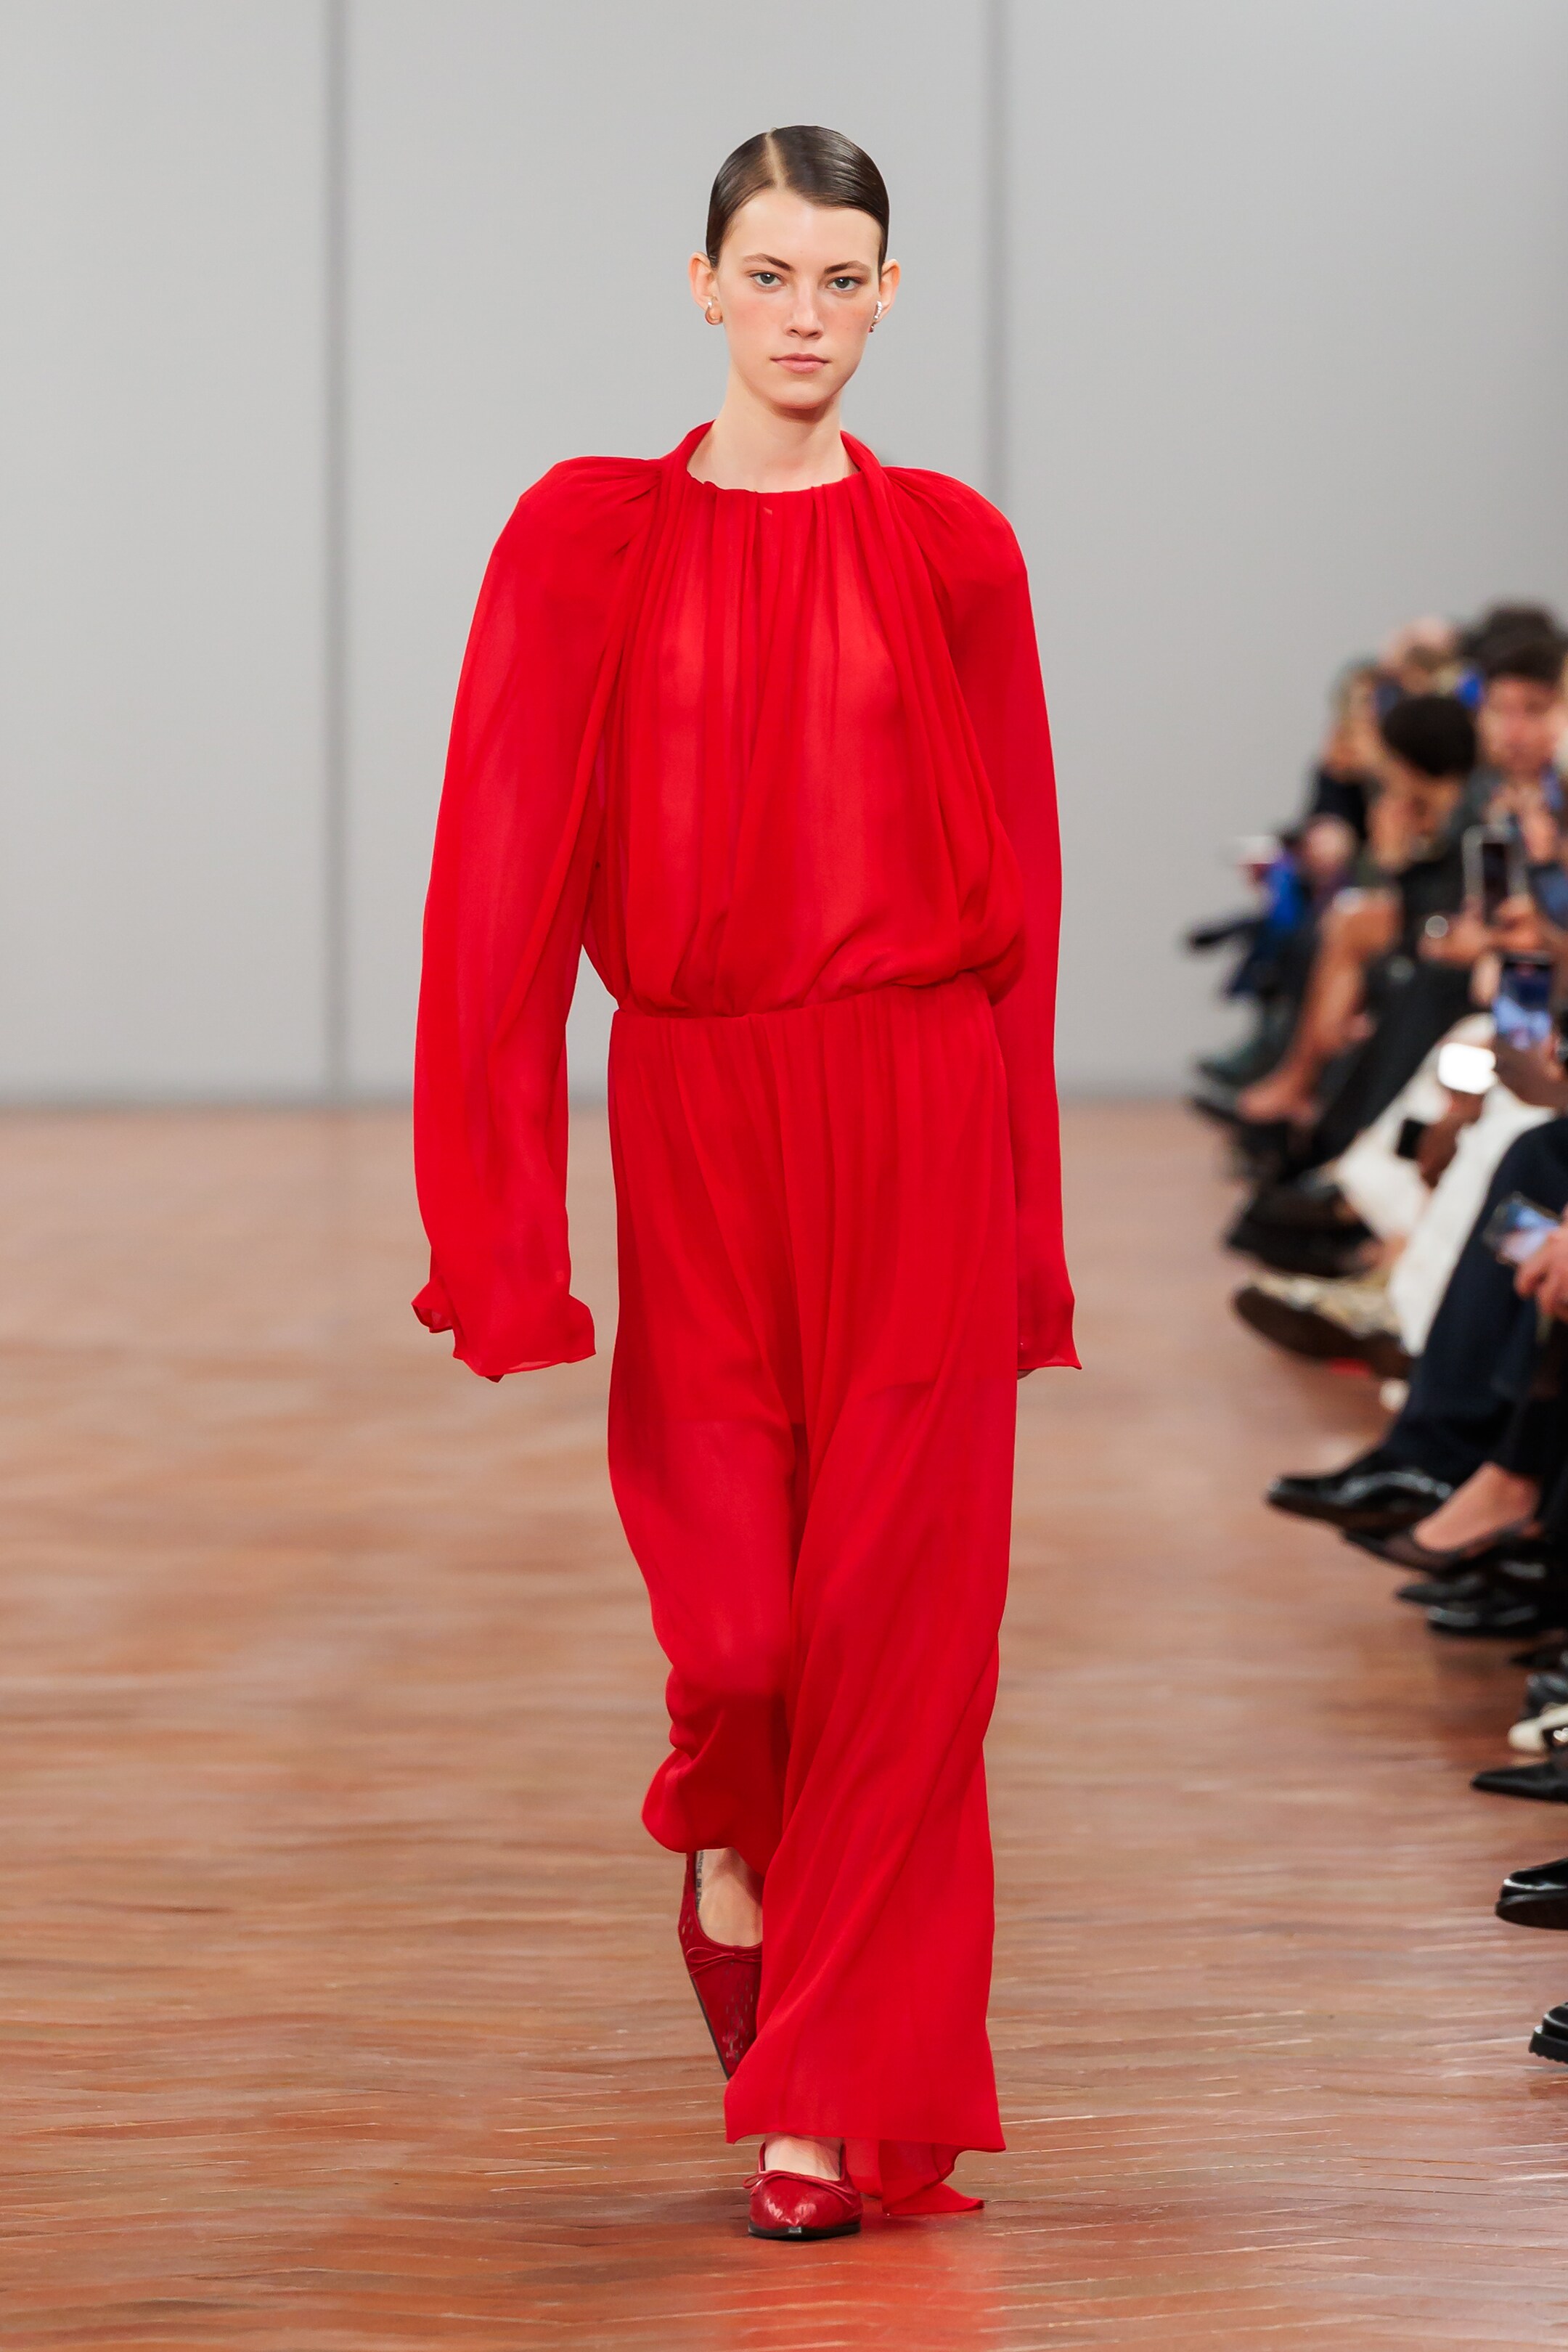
(1516, 928)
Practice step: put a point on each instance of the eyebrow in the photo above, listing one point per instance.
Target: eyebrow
(772, 261)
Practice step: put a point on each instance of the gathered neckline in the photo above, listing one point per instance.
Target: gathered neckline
(806, 491)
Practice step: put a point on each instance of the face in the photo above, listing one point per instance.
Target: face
(1428, 800)
(797, 287)
(1522, 724)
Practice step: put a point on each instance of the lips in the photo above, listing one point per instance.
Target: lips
(801, 365)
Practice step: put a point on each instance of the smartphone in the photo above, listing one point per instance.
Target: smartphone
(1494, 868)
(1521, 1009)
(1516, 1229)
(1466, 1069)
(1407, 1142)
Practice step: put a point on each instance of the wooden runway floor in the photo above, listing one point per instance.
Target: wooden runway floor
(341, 1999)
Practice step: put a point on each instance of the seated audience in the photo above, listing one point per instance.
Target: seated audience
(1427, 754)
(1407, 1153)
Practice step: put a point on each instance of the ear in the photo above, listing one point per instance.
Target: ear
(700, 270)
(887, 286)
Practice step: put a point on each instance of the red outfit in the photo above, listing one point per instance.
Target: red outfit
(782, 762)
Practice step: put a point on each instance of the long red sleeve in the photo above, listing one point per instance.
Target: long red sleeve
(503, 926)
(984, 590)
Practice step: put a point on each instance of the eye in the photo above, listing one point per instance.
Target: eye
(766, 277)
(844, 285)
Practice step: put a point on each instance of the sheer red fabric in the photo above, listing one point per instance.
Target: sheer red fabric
(811, 1444)
(720, 864)
(782, 764)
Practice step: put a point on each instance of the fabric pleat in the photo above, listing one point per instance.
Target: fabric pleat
(781, 763)
(754, 751)
(811, 1443)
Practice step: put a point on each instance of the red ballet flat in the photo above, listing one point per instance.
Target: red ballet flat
(799, 2205)
(724, 1976)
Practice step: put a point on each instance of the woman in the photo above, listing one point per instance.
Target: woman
(761, 723)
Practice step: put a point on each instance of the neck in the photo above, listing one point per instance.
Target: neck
(751, 445)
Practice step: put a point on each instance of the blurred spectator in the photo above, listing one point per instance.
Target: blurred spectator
(1370, 937)
(1408, 1157)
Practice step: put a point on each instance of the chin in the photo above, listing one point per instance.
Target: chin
(787, 391)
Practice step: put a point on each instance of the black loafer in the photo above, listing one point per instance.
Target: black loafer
(1302, 1331)
(1377, 1496)
(1545, 1690)
(1536, 1898)
(1498, 1614)
(1543, 1657)
(1550, 2039)
(1285, 1250)
(1546, 1783)
(1403, 1548)
(1522, 1592)
(1305, 1208)
(1443, 1592)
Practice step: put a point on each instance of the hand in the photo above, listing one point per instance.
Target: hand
(1532, 1076)
(1517, 926)
(1543, 1277)
(1440, 1138)
(1463, 938)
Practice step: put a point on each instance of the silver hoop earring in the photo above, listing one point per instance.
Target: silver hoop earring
(875, 316)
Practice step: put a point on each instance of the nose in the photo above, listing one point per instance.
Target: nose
(803, 320)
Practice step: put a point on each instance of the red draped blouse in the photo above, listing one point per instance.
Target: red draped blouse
(755, 751)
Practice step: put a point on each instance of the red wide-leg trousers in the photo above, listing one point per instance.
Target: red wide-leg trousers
(812, 1421)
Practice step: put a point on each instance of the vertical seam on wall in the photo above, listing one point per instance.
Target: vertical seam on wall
(993, 228)
(334, 554)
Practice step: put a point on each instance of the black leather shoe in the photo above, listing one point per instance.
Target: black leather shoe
(1536, 1898)
(1302, 1331)
(1550, 2039)
(1543, 1656)
(1308, 1207)
(1403, 1548)
(1445, 1591)
(1263, 1150)
(1546, 1689)
(1499, 1613)
(1546, 1783)
(1377, 1496)
(1285, 1251)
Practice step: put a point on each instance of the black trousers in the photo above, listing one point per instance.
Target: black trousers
(1414, 1005)
(1482, 1354)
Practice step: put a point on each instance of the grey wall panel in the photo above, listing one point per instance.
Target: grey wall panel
(1281, 293)
(526, 184)
(1289, 342)
(160, 524)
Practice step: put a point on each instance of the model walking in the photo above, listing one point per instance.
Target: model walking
(761, 723)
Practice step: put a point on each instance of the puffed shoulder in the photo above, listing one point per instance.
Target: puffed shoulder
(582, 511)
(969, 543)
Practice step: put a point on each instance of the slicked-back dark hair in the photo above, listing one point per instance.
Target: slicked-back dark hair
(1432, 733)
(823, 166)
